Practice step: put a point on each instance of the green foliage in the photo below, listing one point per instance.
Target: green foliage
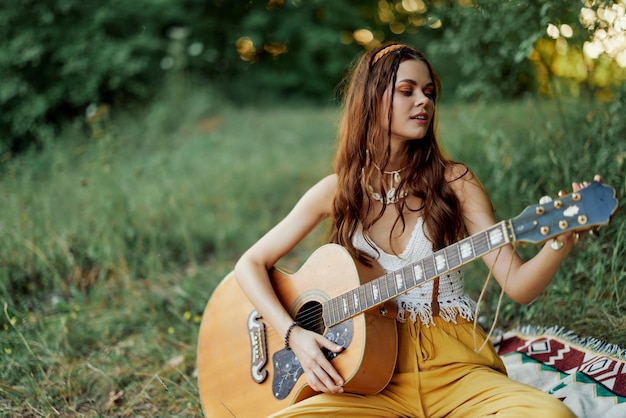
(111, 248)
(493, 41)
(314, 57)
(135, 201)
(61, 55)
(126, 350)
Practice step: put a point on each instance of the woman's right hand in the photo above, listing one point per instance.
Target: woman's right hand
(320, 373)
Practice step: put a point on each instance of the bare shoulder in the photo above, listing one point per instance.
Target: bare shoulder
(460, 176)
(325, 188)
(320, 197)
(329, 183)
(476, 206)
(456, 171)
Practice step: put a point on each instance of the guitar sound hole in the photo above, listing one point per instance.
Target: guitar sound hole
(310, 317)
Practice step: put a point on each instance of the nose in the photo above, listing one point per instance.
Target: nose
(421, 99)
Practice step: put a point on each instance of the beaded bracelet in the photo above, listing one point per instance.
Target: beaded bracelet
(288, 333)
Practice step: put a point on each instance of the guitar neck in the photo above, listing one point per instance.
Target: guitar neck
(392, 284)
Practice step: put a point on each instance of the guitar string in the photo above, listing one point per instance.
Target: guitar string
(477, 240)
(311, 316)
(312, 313)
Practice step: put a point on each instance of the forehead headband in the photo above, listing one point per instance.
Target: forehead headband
(385, 51)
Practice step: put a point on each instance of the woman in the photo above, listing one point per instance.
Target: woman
(394, 198)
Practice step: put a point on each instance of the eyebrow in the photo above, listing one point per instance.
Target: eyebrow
(414, 83)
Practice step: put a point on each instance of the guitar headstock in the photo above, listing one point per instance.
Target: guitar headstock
(588, 208)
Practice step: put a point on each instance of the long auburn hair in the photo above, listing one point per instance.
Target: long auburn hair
(364, 146)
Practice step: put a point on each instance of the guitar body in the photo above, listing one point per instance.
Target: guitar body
(243, 368)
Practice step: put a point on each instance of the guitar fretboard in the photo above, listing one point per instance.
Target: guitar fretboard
(394, 283)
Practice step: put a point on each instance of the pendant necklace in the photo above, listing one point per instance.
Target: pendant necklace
(393, 195)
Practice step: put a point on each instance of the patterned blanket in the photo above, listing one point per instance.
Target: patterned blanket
(588, 375)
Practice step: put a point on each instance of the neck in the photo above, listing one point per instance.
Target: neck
(398, 152)
(396, 162)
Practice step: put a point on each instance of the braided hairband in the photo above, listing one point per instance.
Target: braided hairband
(385, 51)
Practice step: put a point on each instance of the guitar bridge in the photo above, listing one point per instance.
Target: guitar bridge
(258, 347)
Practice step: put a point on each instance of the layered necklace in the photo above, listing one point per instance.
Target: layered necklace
(393, 194)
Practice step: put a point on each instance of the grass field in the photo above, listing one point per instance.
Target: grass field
(116, 233)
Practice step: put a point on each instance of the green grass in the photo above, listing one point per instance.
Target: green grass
(113, 244)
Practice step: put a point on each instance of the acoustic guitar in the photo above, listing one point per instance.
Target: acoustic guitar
(244, 369)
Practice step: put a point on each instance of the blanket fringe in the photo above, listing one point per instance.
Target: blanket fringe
(588, 343)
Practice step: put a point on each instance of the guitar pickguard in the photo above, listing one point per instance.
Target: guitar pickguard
(287, 368)
(339, 334)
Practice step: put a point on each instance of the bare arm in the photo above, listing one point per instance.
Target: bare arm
(251, 272)
(522, 281)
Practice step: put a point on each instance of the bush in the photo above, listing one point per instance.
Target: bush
(539, 152)
(60, 56)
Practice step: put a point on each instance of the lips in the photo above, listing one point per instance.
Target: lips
(422, 116)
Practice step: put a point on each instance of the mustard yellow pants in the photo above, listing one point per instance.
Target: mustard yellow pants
(439, 374)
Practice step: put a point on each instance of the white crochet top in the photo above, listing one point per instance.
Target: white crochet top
(452, 298)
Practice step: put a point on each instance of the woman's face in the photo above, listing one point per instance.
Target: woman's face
(413, 102)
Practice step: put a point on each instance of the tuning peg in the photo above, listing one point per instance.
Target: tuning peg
(563, 193)
(544, 200)
(556, 244)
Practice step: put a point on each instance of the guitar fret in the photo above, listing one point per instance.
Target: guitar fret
(409, 276)
(377, 290)
(466, 249)
(374, 287)
(333, 311)
(328, 312)
(458, 251)
(385, 288)
(441, 262)
(369, 295)
(339, 309)
(496, 236)
(452, 255)
(345, 306)
(429, 267)
(487, 241)
(389, 284)
(362, 298)
(353, 301)
(418, 272)
(473, 247)
(399, 281)
(481, 245)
